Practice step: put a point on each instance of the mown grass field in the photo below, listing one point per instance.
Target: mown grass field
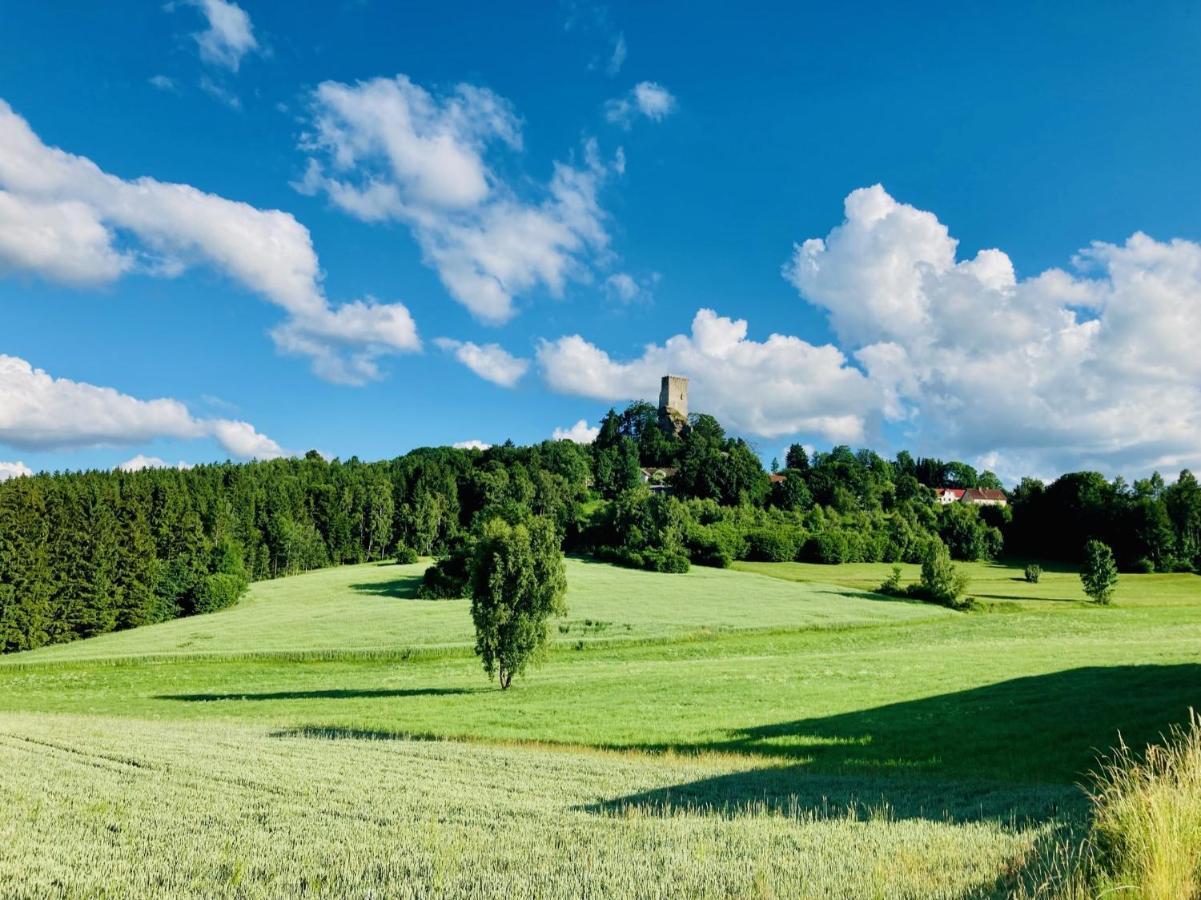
(776, 732)
(372, 608)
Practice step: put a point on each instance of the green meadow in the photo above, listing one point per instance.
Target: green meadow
(776, 730)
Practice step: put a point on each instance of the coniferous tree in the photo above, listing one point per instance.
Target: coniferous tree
(24, 568)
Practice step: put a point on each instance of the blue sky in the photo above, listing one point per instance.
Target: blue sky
(603, 192)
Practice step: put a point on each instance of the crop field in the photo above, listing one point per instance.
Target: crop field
(773, 732)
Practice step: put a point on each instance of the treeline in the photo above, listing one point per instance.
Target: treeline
(1151, 526)
(86, 553)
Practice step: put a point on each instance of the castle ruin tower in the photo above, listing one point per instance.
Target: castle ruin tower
(673, 403)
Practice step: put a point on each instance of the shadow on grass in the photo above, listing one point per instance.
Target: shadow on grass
(860, 594)
(403, 588)
(344, 733)
(332, 694)
(1042, 728)
(1077, 601)
(797, 792)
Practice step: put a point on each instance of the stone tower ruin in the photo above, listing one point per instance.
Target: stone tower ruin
(673, 403)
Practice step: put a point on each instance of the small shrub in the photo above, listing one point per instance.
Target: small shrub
(665, 561)
(940, 582)
(406, 556)
(710, 547)
(447, 578)
(1099, 573)
(892, 584)
(218, 592)
(771, 545)
(1033, 573)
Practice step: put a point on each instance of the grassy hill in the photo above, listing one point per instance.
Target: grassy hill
(717, 733)
(372, 608)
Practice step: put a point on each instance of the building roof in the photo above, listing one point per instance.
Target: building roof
(776, 477)
(954, 492)
(984, 494)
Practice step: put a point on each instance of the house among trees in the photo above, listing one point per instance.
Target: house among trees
(985, 497)
(974, 496)
(657, 477)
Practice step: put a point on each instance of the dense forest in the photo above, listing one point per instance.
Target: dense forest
(90, 552)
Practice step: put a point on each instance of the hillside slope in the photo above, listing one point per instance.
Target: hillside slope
(372, 607)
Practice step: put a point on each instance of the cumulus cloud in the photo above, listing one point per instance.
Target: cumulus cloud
(782, 385)
(16, 469)
(580, 433)
(471, 445)
(63, 239)
(142, 462)
(229, 35)
(1093, 367)
(647, 98)
(490, 361)
(389, 150)
(40, 412)
(60, 216)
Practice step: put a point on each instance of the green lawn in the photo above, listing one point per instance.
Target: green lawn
(996, 582)
(712, 735)
(372, 609)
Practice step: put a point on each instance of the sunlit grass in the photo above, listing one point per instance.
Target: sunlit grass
(1000, 584)
(369, 609)
(95, 807)
(714, 734)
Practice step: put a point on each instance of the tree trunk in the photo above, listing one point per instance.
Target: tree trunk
(506, 678)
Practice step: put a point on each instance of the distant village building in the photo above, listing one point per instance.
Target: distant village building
(985, 497)
(673, 403)
(974, 496)
(658, 478)
(948, 495)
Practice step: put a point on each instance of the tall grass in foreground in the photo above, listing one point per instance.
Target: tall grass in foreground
(1147, 817)
(1144, 839)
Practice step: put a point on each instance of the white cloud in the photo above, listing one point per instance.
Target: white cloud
(580, 433)
(783, 385)
(16, 469)
(387, 149)
(654, 100)
(618, 57)
(229, 36)
(220, 93)
(141, 462)
(162, 82)
(647, 98)
(490, 361)
(471, 445)
(621, 287)
(1096, 368)
(60, 215)
(40, 412)
(62, 239)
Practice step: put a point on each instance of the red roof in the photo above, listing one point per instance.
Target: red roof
(954, 492)
(776, 478)
(984, 494)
